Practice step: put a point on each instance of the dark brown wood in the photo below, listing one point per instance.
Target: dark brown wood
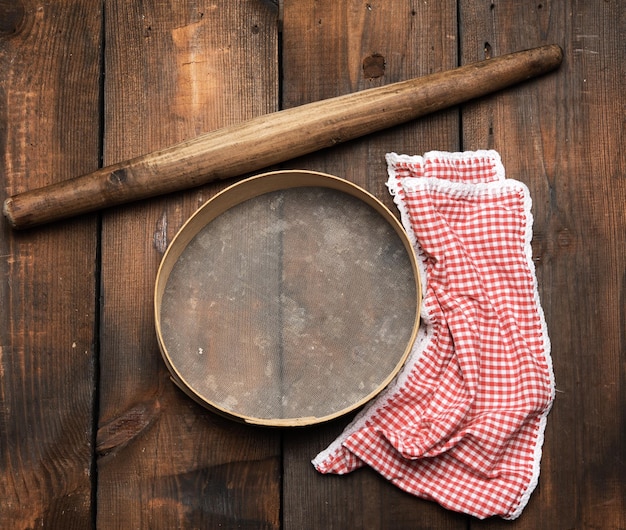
(175, 71)
(276, 137)
(49, 78)
(563, 136)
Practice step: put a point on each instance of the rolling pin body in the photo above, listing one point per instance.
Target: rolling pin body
(274, 138)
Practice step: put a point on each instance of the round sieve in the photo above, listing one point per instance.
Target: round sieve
(290, 298)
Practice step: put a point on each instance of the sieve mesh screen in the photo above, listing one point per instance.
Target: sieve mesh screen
(296, 303)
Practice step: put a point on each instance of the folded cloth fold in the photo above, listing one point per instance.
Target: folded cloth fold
(463, 422)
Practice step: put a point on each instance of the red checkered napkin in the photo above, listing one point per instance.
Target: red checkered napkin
(463, 422)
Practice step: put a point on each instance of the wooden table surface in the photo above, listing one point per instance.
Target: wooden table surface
(92, 431)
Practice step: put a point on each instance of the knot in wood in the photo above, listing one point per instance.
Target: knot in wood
(11, 18)
(373, 66)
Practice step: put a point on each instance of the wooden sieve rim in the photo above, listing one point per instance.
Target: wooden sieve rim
(236, 194)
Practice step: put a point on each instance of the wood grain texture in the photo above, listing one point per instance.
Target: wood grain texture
(324, 52)
(49, 77)
(563, 136)
(326, 45)
(176, 70)
(173, 70)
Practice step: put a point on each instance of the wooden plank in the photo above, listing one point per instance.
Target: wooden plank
(561, 136)
(49, 102)
(333, 48)
(174, 70)
(330, 50)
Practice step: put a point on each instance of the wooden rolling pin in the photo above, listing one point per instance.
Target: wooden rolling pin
(274, 138)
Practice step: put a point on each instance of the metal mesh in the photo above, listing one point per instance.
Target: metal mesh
(297, 303)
